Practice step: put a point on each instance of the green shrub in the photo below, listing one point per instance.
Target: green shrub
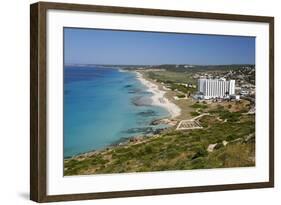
(148, 149)
(194, 114)
(181, 96)
(198, 163)
(231, 137)
(198, 105)
(200, 152)
(172, 153)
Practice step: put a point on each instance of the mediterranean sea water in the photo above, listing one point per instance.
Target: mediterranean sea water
(103, 106)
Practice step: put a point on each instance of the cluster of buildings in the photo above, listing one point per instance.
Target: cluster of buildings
(216, 89)
(244, 79)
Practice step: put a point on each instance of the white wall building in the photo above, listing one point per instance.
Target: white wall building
(216, 88)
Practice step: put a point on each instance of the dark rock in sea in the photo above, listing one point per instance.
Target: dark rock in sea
(141, 101)
(145, 93)
(143, 130)
(128, 86)
(147, 113)
(156, 122)
(136, 100)
(131, 89)
(134, 90)
(158, 131)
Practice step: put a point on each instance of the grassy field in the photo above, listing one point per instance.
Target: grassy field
(179, 150)
(170, 76)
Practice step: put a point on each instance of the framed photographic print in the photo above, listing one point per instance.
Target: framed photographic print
(135, 102)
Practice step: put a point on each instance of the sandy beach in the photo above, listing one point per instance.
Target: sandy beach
(158, 98)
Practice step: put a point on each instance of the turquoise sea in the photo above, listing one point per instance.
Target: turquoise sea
(103, 106)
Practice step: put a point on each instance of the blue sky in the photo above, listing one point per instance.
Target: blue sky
(94, 46)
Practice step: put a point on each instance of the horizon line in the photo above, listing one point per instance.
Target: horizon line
(186, 64)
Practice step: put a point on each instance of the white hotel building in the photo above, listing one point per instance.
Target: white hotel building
(216, 88)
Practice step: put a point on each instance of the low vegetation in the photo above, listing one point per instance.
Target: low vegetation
(199, 106)
(181, 96)
(179, 150)
(171, 76)
(173, 80)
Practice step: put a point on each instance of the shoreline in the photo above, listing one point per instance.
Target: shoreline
(158, 98)
(132, 140)
(127, 142)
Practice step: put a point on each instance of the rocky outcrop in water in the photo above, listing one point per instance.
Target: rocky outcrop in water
(143, 130)
(147, 113)
(141, 101)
